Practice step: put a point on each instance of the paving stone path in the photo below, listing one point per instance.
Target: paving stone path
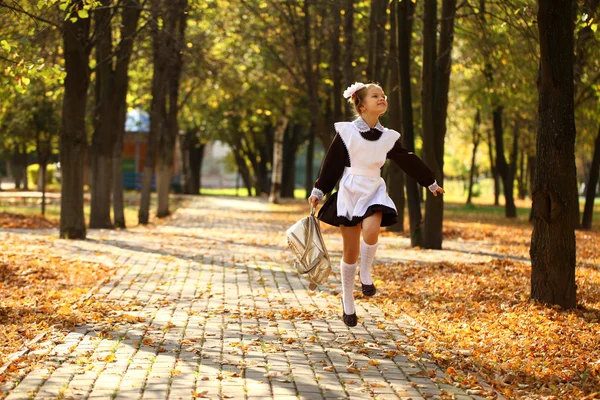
(214, 311)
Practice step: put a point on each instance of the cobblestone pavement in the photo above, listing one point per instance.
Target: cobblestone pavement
(214, 311)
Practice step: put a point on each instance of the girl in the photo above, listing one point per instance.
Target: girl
(357, 154)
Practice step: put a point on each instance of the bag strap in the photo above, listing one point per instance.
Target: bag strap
(308, 239)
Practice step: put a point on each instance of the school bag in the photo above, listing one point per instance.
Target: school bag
(310, 254)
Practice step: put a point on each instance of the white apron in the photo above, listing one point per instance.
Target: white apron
(361, 185)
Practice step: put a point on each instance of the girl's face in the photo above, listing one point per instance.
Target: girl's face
(375, 101)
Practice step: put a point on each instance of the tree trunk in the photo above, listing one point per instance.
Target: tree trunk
(276, 175)
(163, 182)
(427, 101)
(20, 167)
(43, 168)
(100, 185)
(18, 171)
(194, 152)
(502, 166)
(290, 148)
(522, 189)
(24, 165)
(436, 84)
(196, 168)
(555, 201)
(131, 15)
(376, 45)
(405, 14)
(157, 111)
(395, 173)
(173, 36)
(590, 195)
(494, 169)
(512, 168)
(166, 136)
(310, 155)
(243, 171)
(9, 169)
(348, 49)
(336, 71)
(184, 163)
(488, 73)
(531, 174)
(118, 198)
(584, 175)
(167, 49)
(260, 158)
(44, 150)
(73, 139)
(311, 78)
(103, 138)
(243, 154)
(372, 39)
(476, 137)
(147, 175)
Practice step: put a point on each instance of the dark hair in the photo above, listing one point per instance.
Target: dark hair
(359, 96)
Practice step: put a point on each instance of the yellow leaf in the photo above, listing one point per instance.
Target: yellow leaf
(110, 358)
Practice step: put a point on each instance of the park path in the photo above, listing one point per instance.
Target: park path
(214, 311)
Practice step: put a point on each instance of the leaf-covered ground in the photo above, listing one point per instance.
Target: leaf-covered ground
(478, 320)
(475, 320)
(12, 220)
(41, 292)
(44, 293)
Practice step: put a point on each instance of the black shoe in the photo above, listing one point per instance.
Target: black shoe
(349, 319)
(367, 290)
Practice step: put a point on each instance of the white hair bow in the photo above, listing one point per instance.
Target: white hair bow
(350, 90)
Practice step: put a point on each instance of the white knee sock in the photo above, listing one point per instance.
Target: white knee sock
(348, 273)
(367, 255)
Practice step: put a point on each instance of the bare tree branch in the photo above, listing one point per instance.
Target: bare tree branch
(18, 9)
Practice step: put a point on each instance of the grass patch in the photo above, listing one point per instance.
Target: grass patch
(242, 192)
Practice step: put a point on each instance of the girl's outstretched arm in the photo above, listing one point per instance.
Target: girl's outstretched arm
(414, 167)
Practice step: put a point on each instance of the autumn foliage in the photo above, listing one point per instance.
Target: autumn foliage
(10, 220)
(478, 323)
(475, 320)
(41, 292)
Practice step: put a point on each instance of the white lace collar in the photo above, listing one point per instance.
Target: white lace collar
(364, 127)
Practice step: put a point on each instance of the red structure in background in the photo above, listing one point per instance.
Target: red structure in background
(137, 126)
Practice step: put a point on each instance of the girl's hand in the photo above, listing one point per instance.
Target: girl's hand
(439, 190)
(313, 201)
